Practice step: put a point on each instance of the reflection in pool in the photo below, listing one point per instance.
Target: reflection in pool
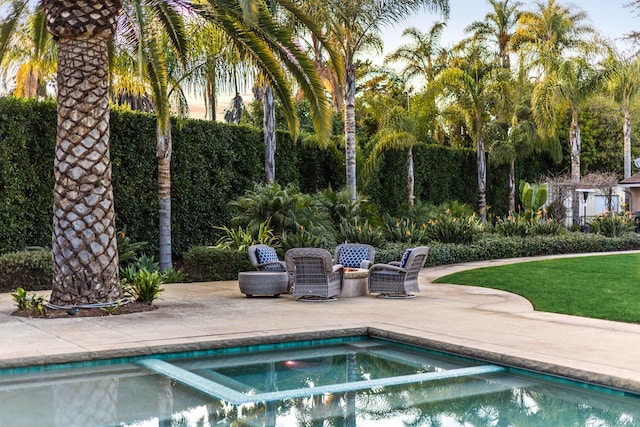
(355, 381)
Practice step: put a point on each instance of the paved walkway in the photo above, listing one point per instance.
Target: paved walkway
(484, 323)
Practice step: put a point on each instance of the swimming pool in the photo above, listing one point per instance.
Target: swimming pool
(349, 381)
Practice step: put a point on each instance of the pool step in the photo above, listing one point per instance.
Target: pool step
(218, 391)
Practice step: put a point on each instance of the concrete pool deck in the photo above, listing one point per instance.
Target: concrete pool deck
(478, 322)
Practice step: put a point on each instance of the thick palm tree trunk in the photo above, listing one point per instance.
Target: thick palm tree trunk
(350, 130)
(482, 172)
(574, 147)
(163, 154)
(269, 122)
(84, 249)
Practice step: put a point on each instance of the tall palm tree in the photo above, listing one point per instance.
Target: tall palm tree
(422, 58)
(624, 84)
(85, 254)
(270, 48)
(211, 63)
(31, 53)
(551, 32)
(155, 33)
(474, 84)
(397, 131)
(354, 25)
(498, 26)
(84, 245)
(570, 86)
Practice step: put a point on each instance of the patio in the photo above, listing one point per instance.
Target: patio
(477, 322)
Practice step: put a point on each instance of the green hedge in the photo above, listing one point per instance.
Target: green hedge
(206, 264)
(30, 270)
(212, 164)
(27, 143)
(495, 247)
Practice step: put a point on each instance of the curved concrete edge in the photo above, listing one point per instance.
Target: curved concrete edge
(614, 382)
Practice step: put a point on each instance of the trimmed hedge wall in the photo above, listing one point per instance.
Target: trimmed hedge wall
(212, 164)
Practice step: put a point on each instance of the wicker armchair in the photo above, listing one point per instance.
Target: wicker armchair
(354, 255)
(313, 276)
(265, 258)
(398, 279)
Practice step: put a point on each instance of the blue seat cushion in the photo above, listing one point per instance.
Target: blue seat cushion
(265, 255)
(405, 258)
(352, 256)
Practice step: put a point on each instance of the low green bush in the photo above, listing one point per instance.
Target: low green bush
(30, 270)
(391, 252)
(207, 263)
(497, 247)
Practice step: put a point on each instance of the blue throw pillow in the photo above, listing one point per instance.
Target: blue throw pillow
(352, 256)
(405, 258)
(265, 255)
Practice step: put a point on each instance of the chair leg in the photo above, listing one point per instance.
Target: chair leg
(395, 296)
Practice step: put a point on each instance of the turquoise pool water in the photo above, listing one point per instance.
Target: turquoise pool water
(356, 381)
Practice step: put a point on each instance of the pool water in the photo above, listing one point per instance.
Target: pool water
(356, 381)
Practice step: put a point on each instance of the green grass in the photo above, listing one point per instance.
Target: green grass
(601, 287)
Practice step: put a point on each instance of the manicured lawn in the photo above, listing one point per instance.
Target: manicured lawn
(602, 287)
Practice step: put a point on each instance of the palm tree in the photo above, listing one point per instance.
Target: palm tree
(572, 84)
(354, 25)
(498, 25)
(269, 47)
(475, 84)
(550, 32)
(84, 247)
(398, 131)
(85, 254)
(155, 33)
(422, 58)
(31, 53)
(624, 85)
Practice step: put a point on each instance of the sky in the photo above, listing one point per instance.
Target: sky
(607, 16)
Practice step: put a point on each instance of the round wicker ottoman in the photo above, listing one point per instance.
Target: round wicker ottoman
(263, 283)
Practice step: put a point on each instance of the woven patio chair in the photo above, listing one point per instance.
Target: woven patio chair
(354, 255)
(265, 258)
(313, 276)
(398, 279)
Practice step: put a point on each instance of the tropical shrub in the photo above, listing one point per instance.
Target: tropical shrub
(533, 197)
(241, 238)
(545, 227)
(172, 275)
(29, 303)
(146, 286)
(615, 225)
(512, 226)
(127, 250)
(303, 239)
(357, 232)
(447, 228)
(403, 230)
